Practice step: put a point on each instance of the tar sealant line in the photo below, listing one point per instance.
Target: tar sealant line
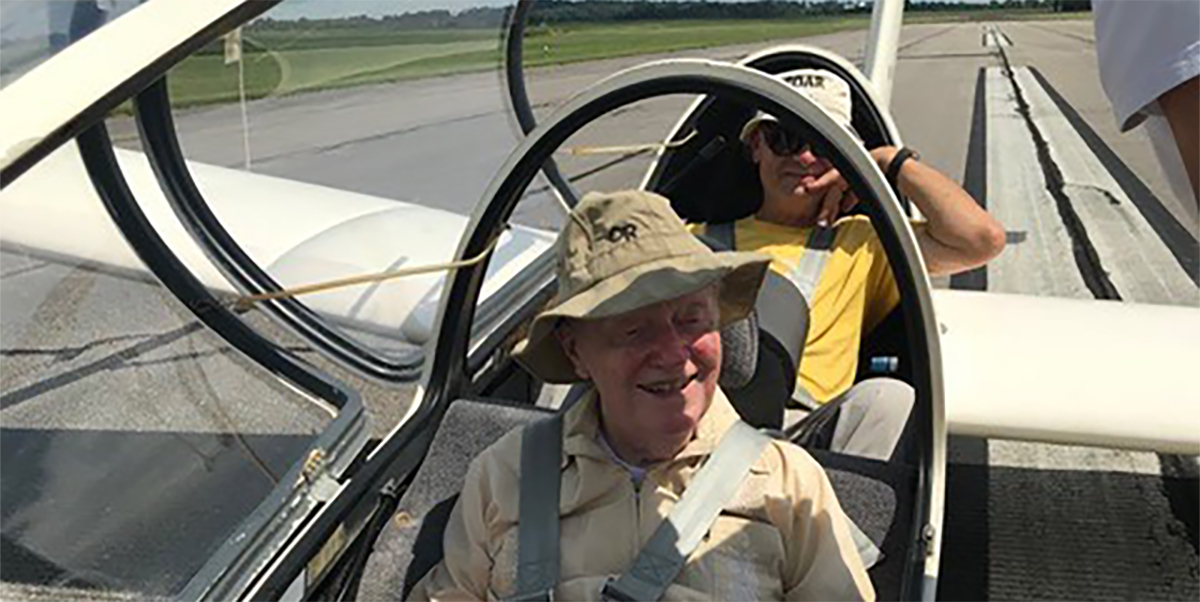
(1039, 259)
(1177, 239)
(1138, 261)
(1086, 258)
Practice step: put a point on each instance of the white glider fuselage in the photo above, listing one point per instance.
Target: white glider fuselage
(1073, 371)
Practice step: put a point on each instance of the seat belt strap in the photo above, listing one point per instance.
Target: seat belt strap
(664, 555)
(722, 233)
(806, 274)
(538, 526)
(801, 396)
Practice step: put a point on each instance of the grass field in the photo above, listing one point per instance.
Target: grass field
(279, 63)
(283, 62)
(567, 45)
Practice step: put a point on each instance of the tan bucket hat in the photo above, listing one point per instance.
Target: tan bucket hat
(823, 87)
(623, 251)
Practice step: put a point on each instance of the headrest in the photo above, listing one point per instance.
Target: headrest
(739, 341)
(739, 352)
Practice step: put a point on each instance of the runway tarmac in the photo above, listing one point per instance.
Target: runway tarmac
(84, 351)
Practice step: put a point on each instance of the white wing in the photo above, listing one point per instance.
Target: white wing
(1102, 373)
(299, 233)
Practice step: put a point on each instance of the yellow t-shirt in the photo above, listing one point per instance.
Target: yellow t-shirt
(856, 291)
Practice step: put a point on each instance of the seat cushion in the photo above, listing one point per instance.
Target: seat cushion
(878, 497)
(411, 543)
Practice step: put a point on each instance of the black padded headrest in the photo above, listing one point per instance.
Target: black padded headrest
(739, 352)
(739, 341)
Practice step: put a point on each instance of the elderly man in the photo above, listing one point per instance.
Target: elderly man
(638, 315)
(802, 199)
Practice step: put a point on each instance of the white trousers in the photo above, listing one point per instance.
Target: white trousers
(872, 418)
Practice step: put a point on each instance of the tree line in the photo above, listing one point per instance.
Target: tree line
(558, 12)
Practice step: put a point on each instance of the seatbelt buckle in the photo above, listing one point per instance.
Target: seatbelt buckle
(609, 592)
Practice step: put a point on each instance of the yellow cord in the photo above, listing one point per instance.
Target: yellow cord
(246, 301)
(629, 148)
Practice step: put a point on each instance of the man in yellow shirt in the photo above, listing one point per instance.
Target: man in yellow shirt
(855, 289)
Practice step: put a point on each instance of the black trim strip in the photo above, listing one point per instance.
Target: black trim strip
(101, 163)
(229, 566)
(975, 178)
(514, 77)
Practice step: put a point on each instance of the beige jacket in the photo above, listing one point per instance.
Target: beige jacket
(783, 537)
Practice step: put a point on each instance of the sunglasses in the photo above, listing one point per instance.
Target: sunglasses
(781, 141)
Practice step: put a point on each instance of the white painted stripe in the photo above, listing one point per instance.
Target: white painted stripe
(993, 38)
(1137, 261)
(1038, 259)
(1040, 456)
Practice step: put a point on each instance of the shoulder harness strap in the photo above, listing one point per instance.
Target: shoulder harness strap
(777, 309)
(722, 233)
(538, 528)
(678, 535)
(806, 274)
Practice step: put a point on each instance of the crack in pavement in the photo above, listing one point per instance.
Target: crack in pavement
(1106, 193)
(1064, 34)
(1087, 259)
(106, 363)
(24, 270)
(68, 353)
(317, 150)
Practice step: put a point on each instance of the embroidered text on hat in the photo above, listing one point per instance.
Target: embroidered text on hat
(806, 80)
(621, 232)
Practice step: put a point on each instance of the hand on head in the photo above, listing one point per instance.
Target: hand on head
(793, 175)
(832, 191)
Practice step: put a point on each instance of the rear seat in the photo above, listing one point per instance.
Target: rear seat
(876, 495)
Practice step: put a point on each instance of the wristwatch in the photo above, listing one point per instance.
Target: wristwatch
(893, 168)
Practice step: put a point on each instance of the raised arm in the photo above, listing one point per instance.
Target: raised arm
(958, 234)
